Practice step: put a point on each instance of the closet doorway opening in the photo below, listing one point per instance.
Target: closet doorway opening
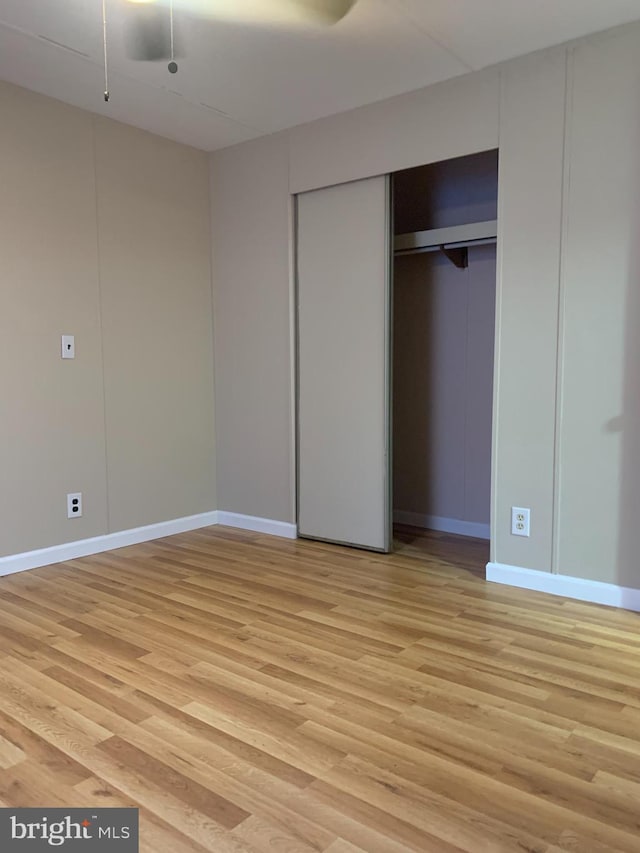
(444, 293)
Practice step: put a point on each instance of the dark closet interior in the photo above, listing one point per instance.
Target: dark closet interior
(445, 225)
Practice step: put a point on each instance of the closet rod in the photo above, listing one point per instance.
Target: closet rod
(489, 241)
(451, 236)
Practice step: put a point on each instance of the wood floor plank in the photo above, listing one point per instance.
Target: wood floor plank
(251, 694)
(222, 811)
(155, 834)
(10, 754)
(266, 788)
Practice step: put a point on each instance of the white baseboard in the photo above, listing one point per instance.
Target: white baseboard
(97, 544)
(259, 525)
(569, 587)
(444, 525)
(110, 541)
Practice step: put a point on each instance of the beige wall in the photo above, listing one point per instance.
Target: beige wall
(253, 342)
(52, 437)
(104, 235)
(598, 474)
(450, 119)
(529, 225)
(566, 407)
(155, 282)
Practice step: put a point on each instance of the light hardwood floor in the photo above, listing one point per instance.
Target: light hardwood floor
(249, 693)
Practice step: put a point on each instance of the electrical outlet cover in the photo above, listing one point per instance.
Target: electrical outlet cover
(520, 521)
(74, 505)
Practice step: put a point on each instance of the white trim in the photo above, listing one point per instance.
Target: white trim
(259, 525)
(110, 541)
(85, 547)
(578, 588)
(445, 525)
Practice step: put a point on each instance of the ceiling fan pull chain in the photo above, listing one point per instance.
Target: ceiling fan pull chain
(171, 23)
(173, 65)
(104, 44)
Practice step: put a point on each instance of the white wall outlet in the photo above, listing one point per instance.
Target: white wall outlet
(520, 521)
(74, 505)
(68, 346)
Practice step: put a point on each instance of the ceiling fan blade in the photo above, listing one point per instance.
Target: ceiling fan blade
(147, 23)
(147, 32)
(270, 12)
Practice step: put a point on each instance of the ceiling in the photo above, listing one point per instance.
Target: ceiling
(239, 82)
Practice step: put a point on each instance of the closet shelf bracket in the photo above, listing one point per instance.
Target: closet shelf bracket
(459, 257)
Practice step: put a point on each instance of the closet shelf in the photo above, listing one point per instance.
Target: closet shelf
(448, 240)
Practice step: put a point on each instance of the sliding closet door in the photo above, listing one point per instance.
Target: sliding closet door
(343, 260)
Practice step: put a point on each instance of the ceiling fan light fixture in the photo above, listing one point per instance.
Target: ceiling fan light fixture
(325, 11)
(262, 12)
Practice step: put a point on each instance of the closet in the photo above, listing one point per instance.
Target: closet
(445, 224)
(395, 302)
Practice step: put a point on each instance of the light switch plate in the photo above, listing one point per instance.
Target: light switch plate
(68, 346)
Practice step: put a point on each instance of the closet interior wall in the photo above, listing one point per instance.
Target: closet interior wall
(443, 331)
